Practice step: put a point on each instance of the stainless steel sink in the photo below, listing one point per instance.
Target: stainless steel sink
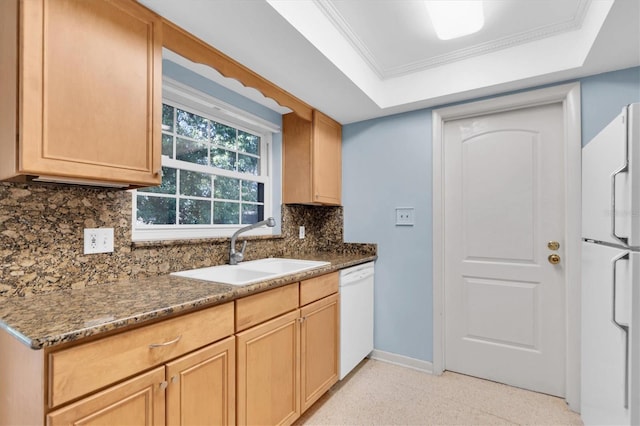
(251, 272)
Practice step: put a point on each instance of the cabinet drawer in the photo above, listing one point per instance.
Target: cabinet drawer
(316, 288)
(81, 369)
(253, 310)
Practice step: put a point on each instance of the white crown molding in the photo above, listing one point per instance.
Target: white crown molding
(339, 22)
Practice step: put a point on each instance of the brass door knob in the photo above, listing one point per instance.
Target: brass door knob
(553, 245)
(554, 259)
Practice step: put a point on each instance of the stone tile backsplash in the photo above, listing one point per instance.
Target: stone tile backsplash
(41, 239)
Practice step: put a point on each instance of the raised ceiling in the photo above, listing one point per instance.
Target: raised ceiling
(395, 40)
(356, 59)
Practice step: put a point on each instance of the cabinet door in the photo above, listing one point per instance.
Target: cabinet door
(297, 153)
(139, 401)
(327, 160)
(319, 353)
(268, 372)
(201, 387)
(312, 160)
(90, 88)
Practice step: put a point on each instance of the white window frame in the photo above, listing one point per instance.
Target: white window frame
(182, 96)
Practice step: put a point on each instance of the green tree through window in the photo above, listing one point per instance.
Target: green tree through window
(212, 174)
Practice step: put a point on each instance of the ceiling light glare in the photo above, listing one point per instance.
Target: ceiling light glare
(455, 18)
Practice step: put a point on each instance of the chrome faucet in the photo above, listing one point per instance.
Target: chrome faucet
(235, 257)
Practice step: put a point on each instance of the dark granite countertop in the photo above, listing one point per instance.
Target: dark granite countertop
(50, 319)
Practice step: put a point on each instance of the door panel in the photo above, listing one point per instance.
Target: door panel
(500, 166)
(515, 313)
(503, 201)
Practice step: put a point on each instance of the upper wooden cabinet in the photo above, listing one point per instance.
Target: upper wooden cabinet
(312, 160)
(81, 84)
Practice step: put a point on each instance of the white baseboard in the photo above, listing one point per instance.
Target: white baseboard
(403, 361)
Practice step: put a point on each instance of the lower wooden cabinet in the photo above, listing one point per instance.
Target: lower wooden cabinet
(85, 368)
(187, 370)
(196, 389)
(287, 363)
(268, 372)
(139, 401)
(319, 348)
(201, 386)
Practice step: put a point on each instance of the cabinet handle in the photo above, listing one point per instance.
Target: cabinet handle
(175, 379)
(623, 169)
(159, 172)
(159, 345)
(624, 328)
(163, 385)
(302, 319)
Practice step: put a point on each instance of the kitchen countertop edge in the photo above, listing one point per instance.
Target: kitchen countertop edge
(27, 321)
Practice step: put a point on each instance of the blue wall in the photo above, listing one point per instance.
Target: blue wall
(387, 164)
(603, 97)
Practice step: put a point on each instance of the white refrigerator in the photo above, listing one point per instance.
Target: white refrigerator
(610, 389)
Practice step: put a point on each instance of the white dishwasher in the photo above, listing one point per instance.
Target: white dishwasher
(356, 315)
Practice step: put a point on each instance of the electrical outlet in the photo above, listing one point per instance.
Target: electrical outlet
(98, 240)
(404, 216)
(301, 232)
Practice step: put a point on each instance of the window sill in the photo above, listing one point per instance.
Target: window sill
(196, 241)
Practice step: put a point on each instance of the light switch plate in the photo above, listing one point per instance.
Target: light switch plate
(404, 216)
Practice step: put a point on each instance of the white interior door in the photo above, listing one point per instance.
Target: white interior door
(503, 202)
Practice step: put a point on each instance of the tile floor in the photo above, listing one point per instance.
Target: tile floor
(378, 393)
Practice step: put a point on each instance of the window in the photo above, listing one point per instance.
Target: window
(215, 165)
